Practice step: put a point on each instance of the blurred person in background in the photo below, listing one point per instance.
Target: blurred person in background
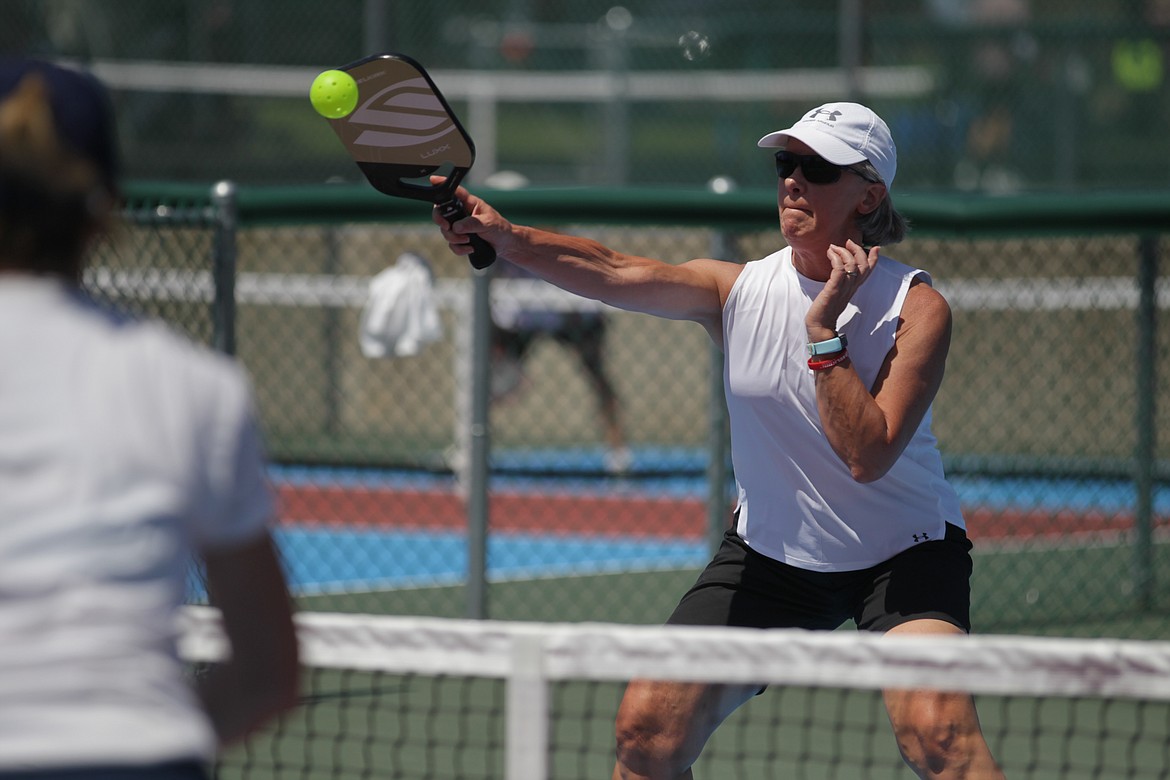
(125, 453)
(833, 354)
(516, 329)
(989, 87)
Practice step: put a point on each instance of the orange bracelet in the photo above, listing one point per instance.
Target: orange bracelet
(821, 365)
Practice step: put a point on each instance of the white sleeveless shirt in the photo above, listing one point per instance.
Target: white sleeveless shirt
(797, 502)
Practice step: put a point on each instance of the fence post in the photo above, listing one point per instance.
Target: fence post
(1147, 388)
(333, 337)
(721, 249)
(849, 45)
(480, 445)
(223, 266)
(717, 456)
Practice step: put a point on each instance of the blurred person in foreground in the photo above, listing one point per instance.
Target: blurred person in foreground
(124, 449)
(833, 354)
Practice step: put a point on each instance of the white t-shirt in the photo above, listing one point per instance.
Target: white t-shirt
(797, 502)
(123, 448)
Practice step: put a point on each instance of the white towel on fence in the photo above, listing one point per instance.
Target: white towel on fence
(400, 314)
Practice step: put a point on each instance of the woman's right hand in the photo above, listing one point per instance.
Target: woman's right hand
(482, 220)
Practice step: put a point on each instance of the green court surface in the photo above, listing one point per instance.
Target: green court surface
(369, 725)
(1016, 589)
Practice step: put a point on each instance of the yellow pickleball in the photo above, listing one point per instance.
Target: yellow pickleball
(334, 94)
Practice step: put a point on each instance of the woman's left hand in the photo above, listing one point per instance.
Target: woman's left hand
(852, 265)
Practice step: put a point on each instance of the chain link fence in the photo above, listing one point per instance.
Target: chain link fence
(981, 95)
(1048, 419)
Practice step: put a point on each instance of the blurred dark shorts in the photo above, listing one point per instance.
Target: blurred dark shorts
(176, 770)
(572, 329)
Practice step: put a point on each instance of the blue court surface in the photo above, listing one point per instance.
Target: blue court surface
(330, 561)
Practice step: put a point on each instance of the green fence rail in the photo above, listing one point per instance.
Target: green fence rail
(931, 214)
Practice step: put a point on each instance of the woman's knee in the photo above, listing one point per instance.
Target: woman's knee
(663, 726)
(651, 737)
(938, 734)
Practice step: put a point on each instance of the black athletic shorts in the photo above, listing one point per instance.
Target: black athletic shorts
(741, 587)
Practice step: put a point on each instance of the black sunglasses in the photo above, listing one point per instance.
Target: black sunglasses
(816, 169)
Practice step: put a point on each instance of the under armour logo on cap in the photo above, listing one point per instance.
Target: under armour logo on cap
(844, 134)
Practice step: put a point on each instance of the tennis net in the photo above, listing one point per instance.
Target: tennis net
(396, 697)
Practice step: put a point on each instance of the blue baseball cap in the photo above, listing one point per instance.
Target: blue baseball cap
(83, 113)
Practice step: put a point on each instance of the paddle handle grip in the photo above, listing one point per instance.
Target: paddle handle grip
(483, 254)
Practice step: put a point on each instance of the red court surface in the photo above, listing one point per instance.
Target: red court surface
(631, 515)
